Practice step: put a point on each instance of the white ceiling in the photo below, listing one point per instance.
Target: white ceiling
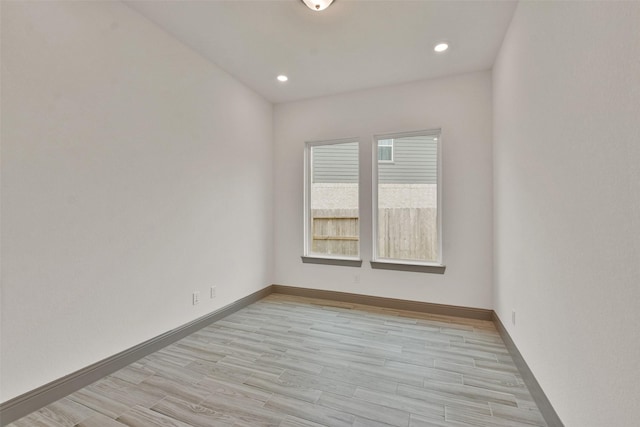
(349, 46)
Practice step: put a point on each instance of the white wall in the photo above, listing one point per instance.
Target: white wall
(567, 203)
(133, 173)
(461, 106)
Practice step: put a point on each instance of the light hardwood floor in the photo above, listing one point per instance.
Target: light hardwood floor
(297, 362)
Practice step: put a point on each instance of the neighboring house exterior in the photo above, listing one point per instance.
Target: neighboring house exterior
(409, 160)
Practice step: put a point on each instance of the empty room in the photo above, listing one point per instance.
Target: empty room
(303, 213)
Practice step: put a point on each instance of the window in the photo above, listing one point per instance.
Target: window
(332, 219)
(406, 199)
(385, 150)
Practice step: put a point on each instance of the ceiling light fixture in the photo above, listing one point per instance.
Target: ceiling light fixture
(441, 47)
(282, 78)
(317, 5)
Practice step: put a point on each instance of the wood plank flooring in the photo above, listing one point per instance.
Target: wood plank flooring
(289, 361)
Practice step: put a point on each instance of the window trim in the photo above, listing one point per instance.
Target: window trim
(343, 261)
(404, 264)
(408, 266)
(308, 256)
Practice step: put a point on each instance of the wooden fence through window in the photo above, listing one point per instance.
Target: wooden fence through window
(403, 233)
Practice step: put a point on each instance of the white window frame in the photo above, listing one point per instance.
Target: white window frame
(392, 151)
(402, 264)
(310, 257)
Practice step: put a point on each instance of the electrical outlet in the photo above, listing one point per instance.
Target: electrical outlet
(212, 293)
(356, 278)
(196, 298)
(513, 317)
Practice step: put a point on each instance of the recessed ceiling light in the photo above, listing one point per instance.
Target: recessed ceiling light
(441, 47)
(282, 78)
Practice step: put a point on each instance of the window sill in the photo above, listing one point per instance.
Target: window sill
(408, 266)
(345, 262)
